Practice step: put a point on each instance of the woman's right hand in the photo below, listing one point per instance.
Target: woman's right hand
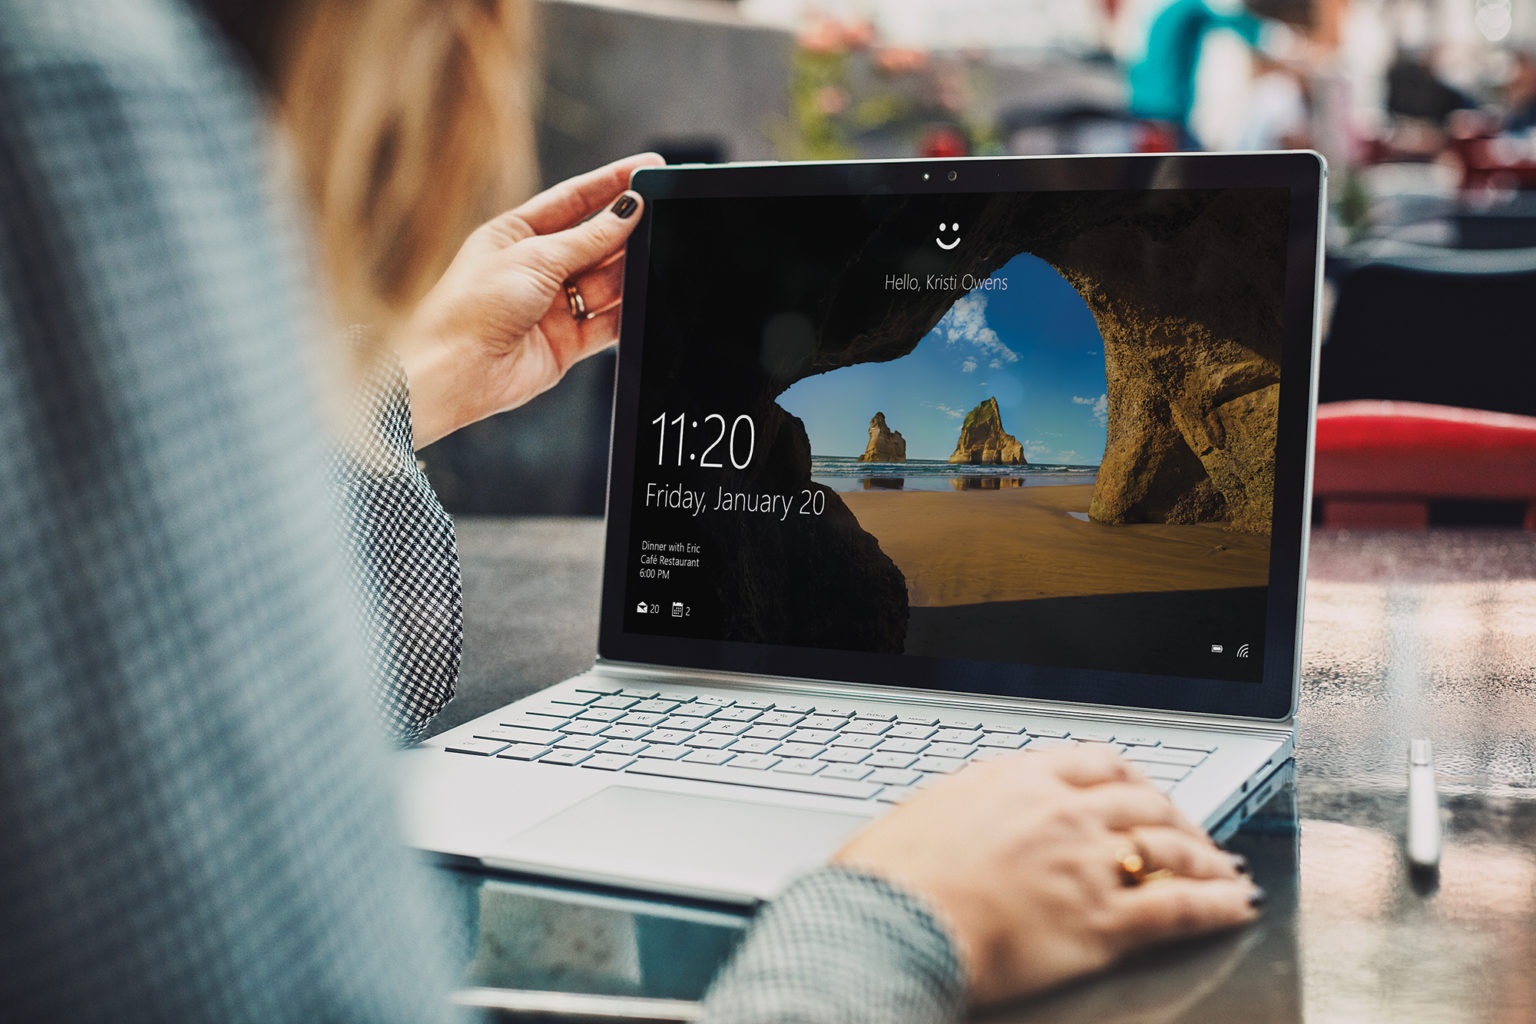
(1019, 858)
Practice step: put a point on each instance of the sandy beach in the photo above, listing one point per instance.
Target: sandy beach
(1022, 544)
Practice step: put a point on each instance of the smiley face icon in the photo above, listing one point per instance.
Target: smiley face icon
(943, 227)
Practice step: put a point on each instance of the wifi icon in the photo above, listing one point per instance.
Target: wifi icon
(1242, 652)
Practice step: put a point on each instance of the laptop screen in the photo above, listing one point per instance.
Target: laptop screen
(1024, 432)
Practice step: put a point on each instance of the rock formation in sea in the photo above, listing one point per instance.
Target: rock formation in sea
(983, 441)
(885, 444)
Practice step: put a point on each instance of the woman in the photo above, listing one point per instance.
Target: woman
(199, 826)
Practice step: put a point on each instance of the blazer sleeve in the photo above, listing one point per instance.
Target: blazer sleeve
(401, 557)
(840, 947)
(198, 824)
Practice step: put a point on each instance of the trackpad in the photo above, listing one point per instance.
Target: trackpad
(690, 841)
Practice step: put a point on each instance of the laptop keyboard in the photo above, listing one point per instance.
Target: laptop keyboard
(827, 750)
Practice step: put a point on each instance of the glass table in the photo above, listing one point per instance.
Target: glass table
(1409, 634)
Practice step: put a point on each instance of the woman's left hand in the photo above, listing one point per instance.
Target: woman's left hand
(498, 328)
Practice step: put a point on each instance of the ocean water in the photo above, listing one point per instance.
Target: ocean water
(847, 474)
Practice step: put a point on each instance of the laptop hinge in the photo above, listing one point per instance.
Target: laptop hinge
(837, 690)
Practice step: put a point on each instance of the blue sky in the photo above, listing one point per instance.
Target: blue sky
(1034, 347)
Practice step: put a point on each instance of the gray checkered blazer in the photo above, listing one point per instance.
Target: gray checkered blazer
(195, 823)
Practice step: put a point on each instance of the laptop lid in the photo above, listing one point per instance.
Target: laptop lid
(1036, 427)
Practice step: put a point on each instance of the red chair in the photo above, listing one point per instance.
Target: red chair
(1380, 463)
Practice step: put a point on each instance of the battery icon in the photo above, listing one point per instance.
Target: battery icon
(1217, 648)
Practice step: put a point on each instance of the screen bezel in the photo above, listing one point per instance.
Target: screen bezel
(1272, 698)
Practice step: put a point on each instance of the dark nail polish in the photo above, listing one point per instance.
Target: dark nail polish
(1239, 862)
(1257, 898)
(624, 206)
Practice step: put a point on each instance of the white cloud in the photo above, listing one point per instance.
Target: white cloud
(966, 322)
(1068, 456)
(1035, 450)
(946, 410)
(1100, 407)
(969, 366)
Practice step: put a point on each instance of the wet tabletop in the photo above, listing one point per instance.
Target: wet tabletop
(1407, 634)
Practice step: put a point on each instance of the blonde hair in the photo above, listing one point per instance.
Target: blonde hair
(411, 121)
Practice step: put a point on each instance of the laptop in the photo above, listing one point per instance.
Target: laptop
(917, 463)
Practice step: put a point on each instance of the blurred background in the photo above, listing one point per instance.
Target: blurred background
(1425, 109)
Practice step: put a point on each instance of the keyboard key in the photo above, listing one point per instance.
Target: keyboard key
(757, 762)
(917, 720)
(478, 747)
(938, 764)
(719, 702)
(523, 752)
(564, 757)
(844, 755)
(578, 697)
(894, 794)
(659, 707)
(957, 736)
(627, 732)
(893, 776)
(628, 748)
(796, 709)
(665, 736)
(1049, 743)
(739, 713)
(643, 718)
(911, 732)
(541, 722)
(856, 740)
(708, 756)
(960, 750)
(1165, 755)
(698, 709)
(887, 759)
(600, 714)
(799, 750)
(726, 728)
(902, 746)
(1055, 734)
(769, 732)
(709, 741)
(1002, 741)
(507, 734)
(756, 704)
(969, 724)
(639, 693)
(866, 727)
(851, 772)
(874, 716)
(747, 745)
(817, 736)
(836, 711)
(1170, 772)
(1200, 745)
(779, 718)
(577, 742)
(819, 721)
(1138, 741)
(601, 689)
(682, 723)
(1164, 785)
(1009, 728)
(584, 728)
(748, 777)
(1092, 736)
(799, 767)
(547, 710)
(675, 696)
(617, 703)
(608, 762)
(664, 752)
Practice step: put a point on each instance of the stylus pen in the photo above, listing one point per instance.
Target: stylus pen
(1423, 841)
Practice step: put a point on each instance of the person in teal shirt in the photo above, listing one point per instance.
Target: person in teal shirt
(1163, 82)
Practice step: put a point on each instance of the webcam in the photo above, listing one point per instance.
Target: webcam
(953, 175)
